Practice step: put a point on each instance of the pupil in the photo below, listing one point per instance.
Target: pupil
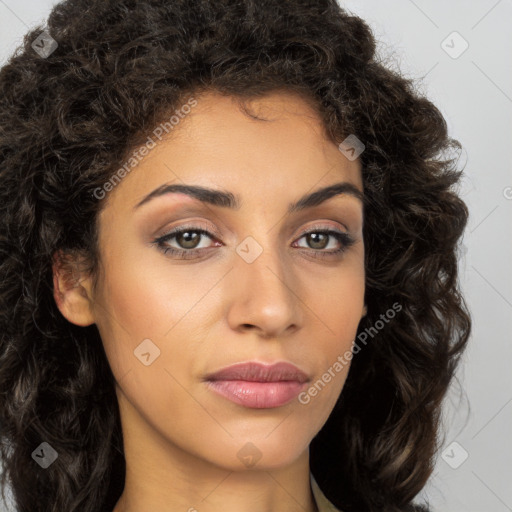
(313, 236)
(186, 239)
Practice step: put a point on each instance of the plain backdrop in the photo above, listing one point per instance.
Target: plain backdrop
(460, 54)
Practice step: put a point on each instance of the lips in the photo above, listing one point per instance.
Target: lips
(257, 385)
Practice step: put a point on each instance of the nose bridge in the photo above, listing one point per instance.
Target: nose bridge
(261, 262)
(263, 291)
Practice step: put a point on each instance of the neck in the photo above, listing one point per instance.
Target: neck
(162, 477)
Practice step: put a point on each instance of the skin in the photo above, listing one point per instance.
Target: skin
(180, 439)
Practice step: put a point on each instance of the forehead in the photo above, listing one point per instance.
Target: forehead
(243, 144)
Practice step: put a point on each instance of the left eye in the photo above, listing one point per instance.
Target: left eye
(320, 239)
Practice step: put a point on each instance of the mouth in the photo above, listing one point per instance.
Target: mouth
(258, 386)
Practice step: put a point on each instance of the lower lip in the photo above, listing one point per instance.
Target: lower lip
(257, 395)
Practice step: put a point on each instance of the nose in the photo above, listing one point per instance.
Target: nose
(264, 296)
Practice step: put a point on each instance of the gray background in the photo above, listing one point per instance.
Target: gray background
(474, 93)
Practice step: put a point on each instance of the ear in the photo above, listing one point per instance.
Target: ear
(72, 290)
(364, 312)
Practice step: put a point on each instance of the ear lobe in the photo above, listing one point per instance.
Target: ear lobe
(365, 311)
(71, 290)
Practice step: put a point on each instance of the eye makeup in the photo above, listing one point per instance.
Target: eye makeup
(343, 239)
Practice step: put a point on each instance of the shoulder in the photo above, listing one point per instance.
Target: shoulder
(323, 504)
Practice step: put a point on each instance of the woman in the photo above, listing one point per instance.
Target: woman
(228, 262)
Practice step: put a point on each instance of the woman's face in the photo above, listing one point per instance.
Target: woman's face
(257, 287)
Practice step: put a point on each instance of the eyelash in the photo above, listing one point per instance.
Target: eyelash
(345, 240)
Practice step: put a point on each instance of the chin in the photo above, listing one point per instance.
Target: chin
(260, 453)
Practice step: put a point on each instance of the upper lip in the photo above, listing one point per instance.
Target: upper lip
(260, 372)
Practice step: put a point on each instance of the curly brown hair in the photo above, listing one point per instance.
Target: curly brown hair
(68, 119)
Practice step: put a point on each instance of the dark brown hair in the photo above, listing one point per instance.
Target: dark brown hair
(68, 119)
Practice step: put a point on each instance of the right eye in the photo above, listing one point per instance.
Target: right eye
(188, 239)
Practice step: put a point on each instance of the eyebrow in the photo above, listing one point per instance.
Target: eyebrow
(226, 199)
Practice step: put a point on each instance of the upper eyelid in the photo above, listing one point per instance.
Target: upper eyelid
(190, 227)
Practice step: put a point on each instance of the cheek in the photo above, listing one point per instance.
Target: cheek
(151, 312)
(148, 300)
(338, 311)
(339, 303)
(144, 332)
